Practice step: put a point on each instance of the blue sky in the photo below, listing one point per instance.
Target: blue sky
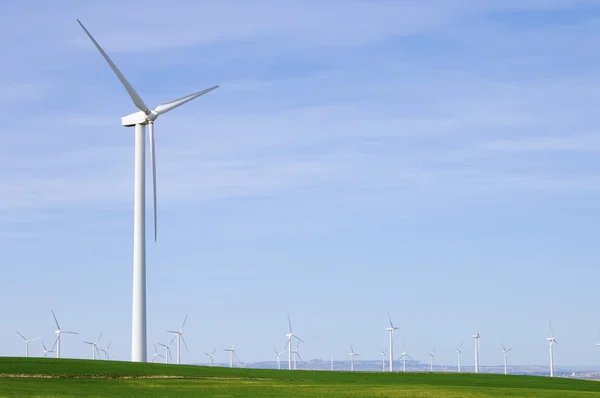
(434, 159)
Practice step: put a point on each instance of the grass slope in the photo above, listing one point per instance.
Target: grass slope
(74, 377)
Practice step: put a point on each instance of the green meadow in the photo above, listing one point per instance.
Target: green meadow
(45, 377)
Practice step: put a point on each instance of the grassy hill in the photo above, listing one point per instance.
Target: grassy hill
(74, 377)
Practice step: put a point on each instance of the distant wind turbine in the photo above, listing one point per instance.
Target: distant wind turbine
(94, 347)
(403, 357)
(332, 362)
(211, 362)
(167, 352)
(231, 354)
(505, 352)
(156, 355)
(391, 330)
(278, 357)
(289, 335)
(58, 332)
(105, 350)
(48, 351)
(140, 119)
(27, 343)
(551, 340)
(352, 355)
(476, 341)
(296, 354)
(459, 351)
(179, 336)
(383, 359)
(432, 359)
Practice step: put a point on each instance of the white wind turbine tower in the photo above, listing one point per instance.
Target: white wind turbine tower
(296, 354)
(551, 340)
(505, 352)
(403, 357)
(156, 355)
(231, 354)
(179, 336)
(48, 351)
(27, 343)
(140, 119)
(432, 359)
(476, 341)
(278, 357)
(383, 359)
(105, 351)
(459, 351)
(391, 331)
(211, 362)
(58, 332)
(352, 355)
(167, 352)
(288, 345)
(94, 346)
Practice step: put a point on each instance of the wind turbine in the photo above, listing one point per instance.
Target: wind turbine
(391, 331)
(140, 119)
(278, 357)
(383, 359)
(459, 351)
(94, 346)
(58, 332)
(432, 359)
(296, 354)
(288, 345)
(352, 354)
(505, 351)
(27, 343)
(403, 357)
(210, 357)
(231, 354)
(179, 336)
(552, 340)
(476, 341)
(47, 351)
(156, 355)
(105, 351)
(167, 351)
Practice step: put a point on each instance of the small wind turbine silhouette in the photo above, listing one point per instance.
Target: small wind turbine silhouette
(391, 330)
(179, 336)
(476, 341)
(459, 351)
(432, 359)
(105, 351)
(94, 346)
(288, 345)
(352, 355)
(58, 332)
(551, 340)
(505, 352)
(278, 357)
(296, 354)
(47, 351)
(383, 359)
(167, 352)
(27, 343)
(210, 357)
(156, 355)
(231, 354)
(403, 357)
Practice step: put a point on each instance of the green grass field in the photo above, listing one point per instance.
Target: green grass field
(41, 377)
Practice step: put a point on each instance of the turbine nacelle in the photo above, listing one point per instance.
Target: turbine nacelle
(139, 117)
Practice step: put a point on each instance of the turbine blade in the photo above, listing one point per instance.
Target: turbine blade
(299, 357)
(70, 332)
(182, 326)
(99, 337)
(298, 338)
(289, 322)
(214, 351)
(55, 320)
(184, 343)
(390, 318)
(21, 335)
(551, 333)
(153, 166)
(137, 100)
(164, 108)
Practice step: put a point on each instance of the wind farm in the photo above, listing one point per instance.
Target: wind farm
(414, 179)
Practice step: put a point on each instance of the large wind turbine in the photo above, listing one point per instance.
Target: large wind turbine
(179, 336)
(476, 341)
(383, 352)
(505, 352)
(459, 351)
(27, 343)
(289, 335)
(58, 332)
(391, 331)
(432, 359)
(231, 354)
(403, 357)
(352, 354)
(140, 119)
(94, 347)
(551, 340)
